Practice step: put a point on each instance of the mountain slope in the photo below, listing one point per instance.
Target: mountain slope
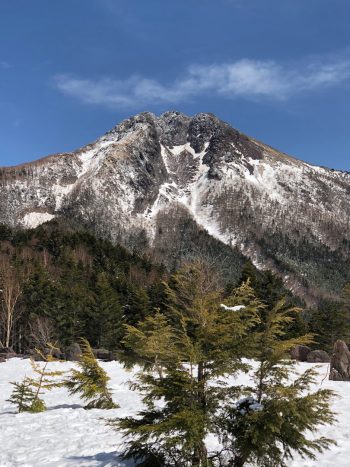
(158, 183)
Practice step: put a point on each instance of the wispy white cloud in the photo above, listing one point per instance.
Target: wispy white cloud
(249, 79)
(5, 65)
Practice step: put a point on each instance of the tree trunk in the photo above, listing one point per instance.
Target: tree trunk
(200, 455)
(238, 462)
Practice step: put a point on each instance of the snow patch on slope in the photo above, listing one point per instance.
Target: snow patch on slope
(31, 220)
(191, 196)
(203, 213)
(91, 159)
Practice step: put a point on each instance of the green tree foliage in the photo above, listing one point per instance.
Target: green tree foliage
(27, 394)
(25, 398)
(104, 319)
(90, 382)
(195, 342)
(267, 286)
(331, 321)
(276, 419)
(82, 285)
(153, 342)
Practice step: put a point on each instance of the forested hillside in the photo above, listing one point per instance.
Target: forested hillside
(61, 283)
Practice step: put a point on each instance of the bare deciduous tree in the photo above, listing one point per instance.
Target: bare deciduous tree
(10, 291)
(41, 332)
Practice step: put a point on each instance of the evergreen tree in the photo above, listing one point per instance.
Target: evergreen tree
(268, 287)
(90, 381)
(196, 342)
(25, 398)
(272, 423)
(152, 341)
(26, 394)
(46, 379)
(331, 321)
(108, 314)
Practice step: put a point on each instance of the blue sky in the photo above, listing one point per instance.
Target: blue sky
(278, 70)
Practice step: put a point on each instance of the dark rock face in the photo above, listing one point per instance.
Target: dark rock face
(300, 353)
(334, 375)
(340, 362)
(73, 352)
(174, 129)
(103, 354)
(245, 195)
(318, 356)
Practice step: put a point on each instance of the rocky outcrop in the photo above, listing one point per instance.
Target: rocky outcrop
(318, 356)
(103, 354)
(340, 362)
(300, 353)
(73, 352)
(282, 213)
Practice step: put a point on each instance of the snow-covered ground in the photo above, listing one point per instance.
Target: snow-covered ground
(67, 435)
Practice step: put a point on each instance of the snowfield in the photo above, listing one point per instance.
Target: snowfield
(67, 435)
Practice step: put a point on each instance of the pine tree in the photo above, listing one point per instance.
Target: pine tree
(90, 381)
(26, 394)
(272, 423)
(331, 321)
(25, 398)
(109, 315)
(46, 379)
(196, 342)
(152, 341)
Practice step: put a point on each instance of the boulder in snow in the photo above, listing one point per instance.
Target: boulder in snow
(318, 356)
(73, 352)
(300, 353)
(103, 354)
(6, 353)
(340, 362)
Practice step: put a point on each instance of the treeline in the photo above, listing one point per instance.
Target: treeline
(58, 284)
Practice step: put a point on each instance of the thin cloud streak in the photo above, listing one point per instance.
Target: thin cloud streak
(5, 65)
(248, 79)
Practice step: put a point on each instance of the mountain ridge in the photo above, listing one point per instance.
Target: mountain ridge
(255, 140)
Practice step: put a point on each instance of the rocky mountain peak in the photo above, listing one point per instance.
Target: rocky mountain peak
(160, 183)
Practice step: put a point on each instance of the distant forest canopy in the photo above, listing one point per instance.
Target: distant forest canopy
(59, 283)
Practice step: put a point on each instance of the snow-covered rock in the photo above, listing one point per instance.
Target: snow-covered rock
(232, 308)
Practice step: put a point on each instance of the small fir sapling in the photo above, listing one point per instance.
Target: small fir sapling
(24, 397)
(26, 394)
(195, 342)
(90, 381)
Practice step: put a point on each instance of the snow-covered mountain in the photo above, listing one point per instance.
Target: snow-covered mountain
(174, 184)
